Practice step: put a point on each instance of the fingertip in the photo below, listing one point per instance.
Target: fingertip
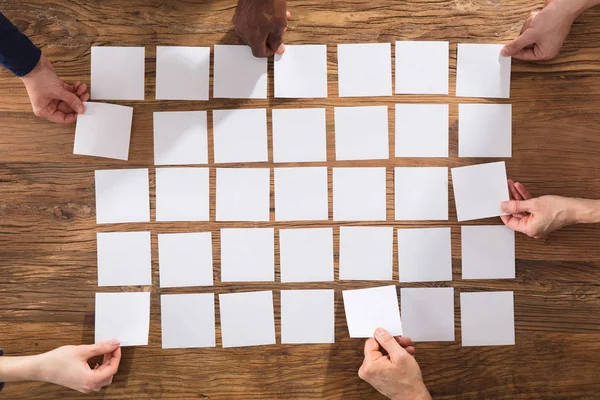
(288, 15)
(410, 350)
(280, 49)
(504, 52)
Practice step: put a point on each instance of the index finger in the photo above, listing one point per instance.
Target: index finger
(387, 341)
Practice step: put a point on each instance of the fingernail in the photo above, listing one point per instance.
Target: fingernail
(114, 342)
(379, 332)
(281, 48)
(79, 108)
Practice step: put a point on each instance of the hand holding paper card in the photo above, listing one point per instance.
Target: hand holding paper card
(369, 309)
(482, 72)
(123, 316)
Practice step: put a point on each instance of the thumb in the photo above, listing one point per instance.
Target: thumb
(72, 101)
(527, 38)
(516, 206)
(101, 348)
(275, 42)
(387, 341)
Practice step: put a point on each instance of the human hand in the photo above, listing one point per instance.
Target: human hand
(537, 217)
(68, 366)
(261, 25)
(395, 374)
(51, 98)
(544, 32)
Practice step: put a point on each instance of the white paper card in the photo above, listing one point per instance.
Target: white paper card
(180, 138)
(369, 309)
(359, 194)
(301, 72)
(424, 255)
(182, 194)
(247, 319)
(422, 130)
(238, 74)
(118, 73)
(122, 195)
(299, 135)
(479, 190)
(366, 253)
(123, 316)
(488, 252)
(240, 135)
(306, 255)
(484, 130)
(365, 69)
(182, 72)
(185, 259)
(487, 318)
(307, 316)
(428, 314)
(361, 133)
(301, 194)
(482, 72)
(103, 130)
(248, 255)
(421, 193)
(422, 67)
(124, 258)
(243, 194)
(187, 320)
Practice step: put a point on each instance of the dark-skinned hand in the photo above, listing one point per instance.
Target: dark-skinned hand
(261, 24)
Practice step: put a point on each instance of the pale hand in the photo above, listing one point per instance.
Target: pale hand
(395, 374)
(537, 217)
(51, 98)
(543, 33)
(261, 25)
(68, 366)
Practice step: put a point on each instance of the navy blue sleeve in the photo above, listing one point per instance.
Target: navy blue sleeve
(17, 53)
(1, 383)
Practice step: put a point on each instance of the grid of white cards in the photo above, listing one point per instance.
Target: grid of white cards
(348, 193)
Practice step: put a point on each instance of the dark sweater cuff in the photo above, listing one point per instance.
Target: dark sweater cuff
(1, 383)
(17, 53)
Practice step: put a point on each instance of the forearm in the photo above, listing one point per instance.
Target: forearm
(587, 211)
(17, 53)
(14, 369)
(574, 8)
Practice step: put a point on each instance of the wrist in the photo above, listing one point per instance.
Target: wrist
(41, 64)
(587, 211)
(419, 394)
(13, 369)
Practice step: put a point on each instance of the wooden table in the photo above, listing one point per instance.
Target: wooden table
(48, 227)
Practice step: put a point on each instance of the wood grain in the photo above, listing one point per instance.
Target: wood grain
(47, 209)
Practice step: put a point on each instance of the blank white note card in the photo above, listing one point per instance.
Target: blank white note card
(180, 138)
(424, 255)
(479, 190)
(103, 130)
(307, 316)
(182, 194)
(185, 259)
(122, 195)
(301, 194)
(240, 135)
(359, 194)
(421, 193)
(428, 314)
(369, 309)
(482, 72)
(484, 130)
(187, 320)
(361, 133)
(123, 316)
(422, 67)
(118, 73)
(301, 72)
(243, 194)
(366, 253)
(487, 318)
(247, 319)
(299, 135)
(422, 130)
(488, 252)
(182, 72)
(238, 74)
(248, 255)
(124, 258)
(306, 255)
(365, 69)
